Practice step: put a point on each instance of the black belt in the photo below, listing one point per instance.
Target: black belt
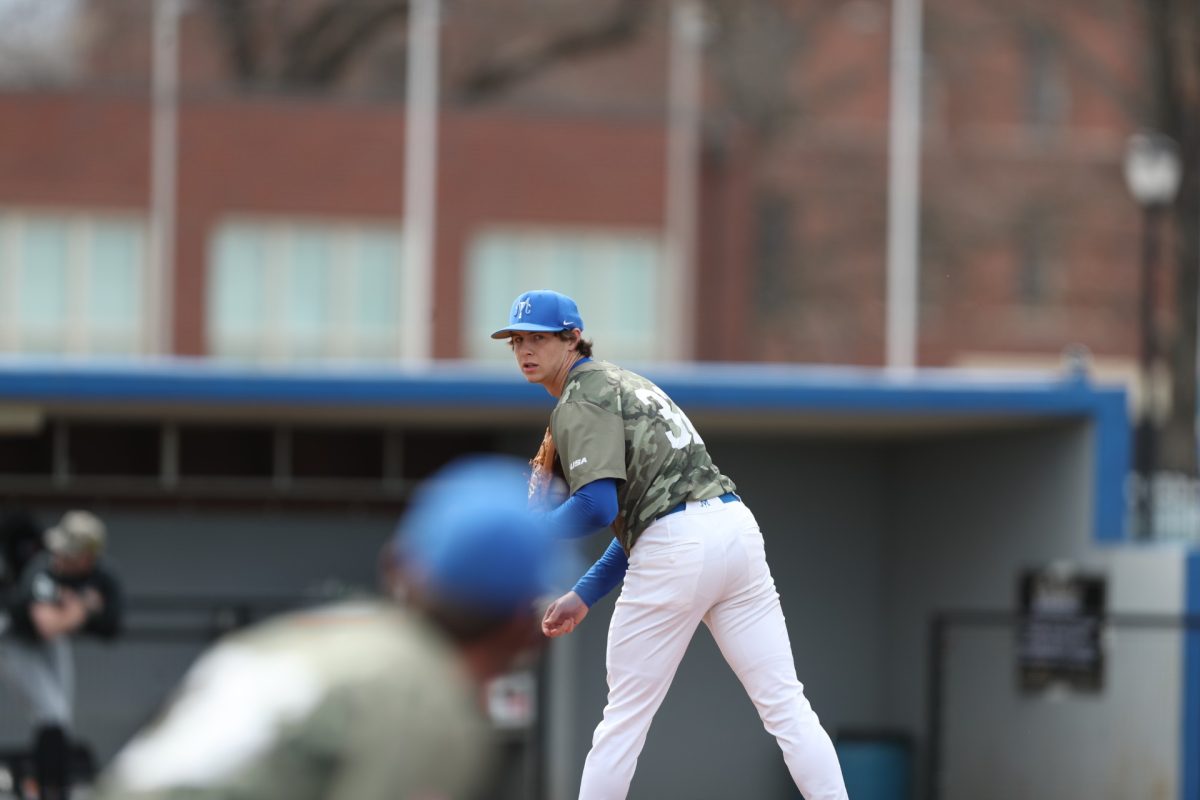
(728, 497)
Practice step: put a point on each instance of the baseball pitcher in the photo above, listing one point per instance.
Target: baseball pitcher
(687, 548)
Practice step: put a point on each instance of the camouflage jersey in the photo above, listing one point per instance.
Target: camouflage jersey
(350, 702)
(613, 423)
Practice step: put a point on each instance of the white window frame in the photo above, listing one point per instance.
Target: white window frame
(78, 332)
(340, 340)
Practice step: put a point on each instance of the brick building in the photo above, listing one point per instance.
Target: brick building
(289, 204)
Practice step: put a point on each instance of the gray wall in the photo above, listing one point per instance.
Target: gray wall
(967, 515)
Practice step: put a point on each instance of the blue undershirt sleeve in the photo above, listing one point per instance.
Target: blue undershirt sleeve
(604, 574)
(591, 508)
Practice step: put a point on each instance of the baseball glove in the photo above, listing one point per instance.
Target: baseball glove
(541, 474)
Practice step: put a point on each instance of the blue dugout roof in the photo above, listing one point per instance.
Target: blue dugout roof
(728, 387)
(767, 391)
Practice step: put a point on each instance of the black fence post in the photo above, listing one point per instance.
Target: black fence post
(541, 729)
(933, 708)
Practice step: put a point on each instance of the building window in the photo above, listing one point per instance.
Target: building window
(616, 277)
(285, 290)
(1046, 96)
(71, 283)
(1035, 267)
(775, 252)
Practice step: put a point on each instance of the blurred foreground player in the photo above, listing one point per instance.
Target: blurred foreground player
(371, 700)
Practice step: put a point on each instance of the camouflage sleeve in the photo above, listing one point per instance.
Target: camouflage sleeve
(591, 443)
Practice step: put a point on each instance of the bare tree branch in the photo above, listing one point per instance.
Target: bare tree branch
(236, 24)
(320, 52)
(506, 69)
(755, 45)
(300, 45)
(316, 27)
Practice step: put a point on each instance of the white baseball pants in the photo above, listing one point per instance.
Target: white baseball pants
(706, 563)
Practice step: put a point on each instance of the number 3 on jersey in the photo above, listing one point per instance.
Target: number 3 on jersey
(682, 432)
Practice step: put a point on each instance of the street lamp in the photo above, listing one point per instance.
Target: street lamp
(1152, 172)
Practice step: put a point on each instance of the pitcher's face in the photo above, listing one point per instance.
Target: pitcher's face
(542, 357)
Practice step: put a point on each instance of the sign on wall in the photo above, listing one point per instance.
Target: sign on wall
(1059, 643)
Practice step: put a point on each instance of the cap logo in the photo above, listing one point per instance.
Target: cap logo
(523, 307)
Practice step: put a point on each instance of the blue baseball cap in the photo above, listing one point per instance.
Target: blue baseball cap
(470, 538)
(541, 310)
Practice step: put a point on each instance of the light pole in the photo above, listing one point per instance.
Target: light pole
(420, 179)
(164, 158)
(904, 186)
(684, 112)
(1152, 172)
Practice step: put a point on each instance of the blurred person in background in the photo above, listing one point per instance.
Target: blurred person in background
(371, 700)
(66, 589)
